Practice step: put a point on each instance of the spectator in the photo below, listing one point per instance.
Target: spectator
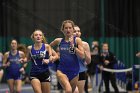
(108, 60)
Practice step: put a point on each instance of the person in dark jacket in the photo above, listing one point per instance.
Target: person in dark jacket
(108, 60)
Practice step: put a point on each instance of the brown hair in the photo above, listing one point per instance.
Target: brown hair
(22, 47)
(67, 21)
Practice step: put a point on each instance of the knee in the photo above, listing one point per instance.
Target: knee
(68, 90)
(76, 91)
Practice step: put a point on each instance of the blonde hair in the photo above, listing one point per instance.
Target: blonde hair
(67, 21)
(43, 37)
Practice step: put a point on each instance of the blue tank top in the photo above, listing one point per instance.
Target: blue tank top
(82, 65)
(15, 65)
(68, 57)
(37, 66)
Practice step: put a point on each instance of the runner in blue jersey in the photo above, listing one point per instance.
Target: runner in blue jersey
(40, 55)
(70, 47)
(82, 62)
(12, 62)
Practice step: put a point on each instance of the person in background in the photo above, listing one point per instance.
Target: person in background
(82, 62)
(138, 54)
(23, 48)
(70, 48)
(55, 66)
(95, 60)
(14, 69)
(108, 60)
(129, 82)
